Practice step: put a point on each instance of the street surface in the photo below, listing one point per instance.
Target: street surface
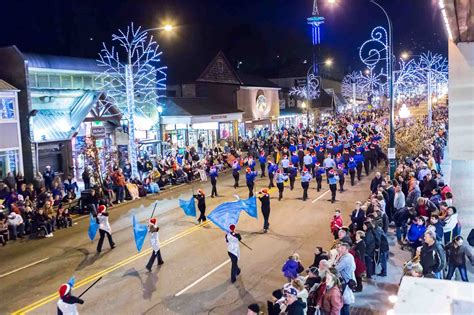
(195, 278)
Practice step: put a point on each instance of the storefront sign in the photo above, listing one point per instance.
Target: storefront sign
(300, 82)
(98, 131)
(214, 117)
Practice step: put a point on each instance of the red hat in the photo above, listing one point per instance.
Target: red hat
(152, 221)
(101, 209)
(232, 227)
(305, 169)
(265, 191)
(331, 172)
(284, 156)
(338, 154)
(317, 163)
(290, 164)
(248, 169)
(321, 149)
(278, 171)
(64, 290)
(200, 191)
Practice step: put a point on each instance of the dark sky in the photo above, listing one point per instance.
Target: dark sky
(264, 34)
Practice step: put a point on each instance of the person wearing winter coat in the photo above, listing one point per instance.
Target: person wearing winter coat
(450, 228)
(436, 226)
(432, 256)
(290, 268)
(371, 244)
(376, 181)
(358, 251)
(357, 217)
(345, 265)
(456, 253)
(104, 227)
(415, 232)
(155, 244)
(336, 223)
(332, 301)
(294, 305)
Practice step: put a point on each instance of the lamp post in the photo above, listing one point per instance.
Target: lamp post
(307, 113)
(391, 155)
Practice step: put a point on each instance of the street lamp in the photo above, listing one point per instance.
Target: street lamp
(391, 156)
(405, 55)
(328, 62)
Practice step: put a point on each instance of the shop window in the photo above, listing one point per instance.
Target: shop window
(88, 82)
(77, 82)
(66, 81)
(43, 80)
(55, 81)
(7, 108)
(225, 130)
(8, 162)
(33, 82)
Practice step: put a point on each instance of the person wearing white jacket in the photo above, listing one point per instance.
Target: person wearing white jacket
(104, 227)
(155, 244)
(450, 228)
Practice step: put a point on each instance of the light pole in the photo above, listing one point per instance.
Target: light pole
(391, 155)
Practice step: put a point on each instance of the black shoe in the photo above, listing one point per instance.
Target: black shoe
(382, 274)
(148, 268)
(238, 272)
(113, 246)
(265, 230)
(161, 263)
(233, 280)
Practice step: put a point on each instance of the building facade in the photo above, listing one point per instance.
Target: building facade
(62, 104)
(11, 158)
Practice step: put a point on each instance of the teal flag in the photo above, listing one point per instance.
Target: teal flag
(250, 206)
(139, 232)
(93, 226)
(188, 206)
(225, 215)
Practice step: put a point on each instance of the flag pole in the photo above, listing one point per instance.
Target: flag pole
(90, 287)
(246, 245)
(154, 208)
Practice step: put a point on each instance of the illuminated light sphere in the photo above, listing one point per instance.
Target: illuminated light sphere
(331, 1)
(168, 27)
(404, 113)
(329, 62)
(303, 105)
(393, 298)
(405, 55)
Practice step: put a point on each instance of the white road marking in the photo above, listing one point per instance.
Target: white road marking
(320, 196)
(24, 267)
(202, 278)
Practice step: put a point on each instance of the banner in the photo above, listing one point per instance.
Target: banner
(93, 227)
(139, 232)
(188, 206)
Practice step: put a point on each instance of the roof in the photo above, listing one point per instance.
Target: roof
(4, 86)
(62, 63)
(56, 125)
(255, 80)
(196, 106)
(460, 23)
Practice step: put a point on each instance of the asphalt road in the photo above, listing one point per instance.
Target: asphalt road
(195, 278)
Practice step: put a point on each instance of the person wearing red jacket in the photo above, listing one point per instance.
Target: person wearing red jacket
(336, 223)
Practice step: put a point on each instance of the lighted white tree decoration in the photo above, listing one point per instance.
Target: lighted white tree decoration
(372, 83)
(351, 85)
(132, 74)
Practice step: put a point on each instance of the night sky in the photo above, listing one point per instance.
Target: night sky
(266, 35)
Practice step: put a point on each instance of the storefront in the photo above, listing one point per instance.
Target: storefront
(11, 160)
(198, 122)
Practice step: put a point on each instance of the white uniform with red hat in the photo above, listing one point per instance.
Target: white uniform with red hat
(154, 236)
(233, 243)
(103, 220)
(65, 308)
